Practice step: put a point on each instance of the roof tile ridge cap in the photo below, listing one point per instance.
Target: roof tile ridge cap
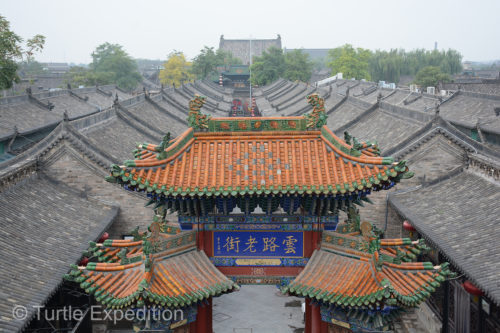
(388, 240)
(208, 135)
(156, 162)
(362, 159)
(339, 140)
(145, 146)
(258, 118)
(111, 266)
(122, 243)
(345, 250)
(375, 274)
(176, 142)
(173, 252)
(418, 265)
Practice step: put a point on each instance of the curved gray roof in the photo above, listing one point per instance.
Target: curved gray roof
(41, 240)
(460, 216)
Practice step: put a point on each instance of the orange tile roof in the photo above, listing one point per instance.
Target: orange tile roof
(237, 156)
(349, 277)
(249, 162)
(174, 277)
(404, 249)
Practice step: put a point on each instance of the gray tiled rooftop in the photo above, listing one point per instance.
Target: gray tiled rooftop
(460, 216)
(40, 240)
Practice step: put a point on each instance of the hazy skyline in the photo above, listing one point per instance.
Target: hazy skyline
(153, 29)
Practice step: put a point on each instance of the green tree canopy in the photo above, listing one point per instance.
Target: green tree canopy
(111, 64)
(11, 50)
(390, 65)
(269, 67)
(386, 65)
(208, 60)
(176, 70)
(298, 66)
(78, 75)
(430, 76)
(351, 62)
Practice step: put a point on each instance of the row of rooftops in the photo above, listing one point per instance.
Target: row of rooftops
(108, 136)
(17, 111)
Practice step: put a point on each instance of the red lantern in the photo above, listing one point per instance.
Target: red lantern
(408, 227)
(84, 261)
(104, 236)
(472, 289)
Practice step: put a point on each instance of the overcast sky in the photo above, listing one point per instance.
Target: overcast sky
(152, 29)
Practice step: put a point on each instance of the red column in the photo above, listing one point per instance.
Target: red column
(315, 319)
(209, 316)
(200, 239)
(308, 316)
(207, 242)
(324, 327)
(201, 320)
(204, 318)
(316, 238)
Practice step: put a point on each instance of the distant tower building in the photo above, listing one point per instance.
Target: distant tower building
(240, 48)
(435, 46)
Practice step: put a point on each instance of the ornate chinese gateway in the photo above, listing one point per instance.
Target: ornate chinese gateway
(258, 201)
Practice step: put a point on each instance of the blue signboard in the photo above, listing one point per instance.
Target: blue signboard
(258, 244)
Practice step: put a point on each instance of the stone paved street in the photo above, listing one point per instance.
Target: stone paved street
(257, 309)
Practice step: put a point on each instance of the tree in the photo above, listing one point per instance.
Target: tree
(351, 62)
(269, 67)
(386, 65)
(298, 66)
(11, 50)
(111, 64)
(204, 63)
(78, 75)
(390, 65)
(176, 70)
(430, 76)
(208, 60)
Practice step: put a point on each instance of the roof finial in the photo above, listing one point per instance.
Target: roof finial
(316, 118)
(196, 119)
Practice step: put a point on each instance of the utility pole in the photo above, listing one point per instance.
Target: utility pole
(250, 78)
